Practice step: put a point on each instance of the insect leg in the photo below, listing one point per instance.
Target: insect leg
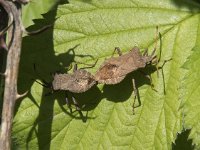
(75, 68)
(78, 108)
(68, 102)
(136, 95)
(118, 51)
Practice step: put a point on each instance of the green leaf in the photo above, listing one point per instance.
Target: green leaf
(97, 27)
(191, 94)
(35, 9)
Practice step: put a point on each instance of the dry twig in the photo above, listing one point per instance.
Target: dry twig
(11, 74)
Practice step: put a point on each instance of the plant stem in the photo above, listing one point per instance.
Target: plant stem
(11, 74)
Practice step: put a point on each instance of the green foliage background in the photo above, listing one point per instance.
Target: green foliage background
(44, 122)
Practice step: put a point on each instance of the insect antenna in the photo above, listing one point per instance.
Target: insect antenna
(156, 38)
(160, 37)
(165, 61)
(158, 58)
(154, 59)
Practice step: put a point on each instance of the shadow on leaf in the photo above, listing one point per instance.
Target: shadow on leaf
(193, 5)
(182, 142)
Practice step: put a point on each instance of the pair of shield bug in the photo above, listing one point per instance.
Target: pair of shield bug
(112, 71)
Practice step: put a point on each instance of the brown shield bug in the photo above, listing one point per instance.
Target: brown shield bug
(77, 82)
(115, 69)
